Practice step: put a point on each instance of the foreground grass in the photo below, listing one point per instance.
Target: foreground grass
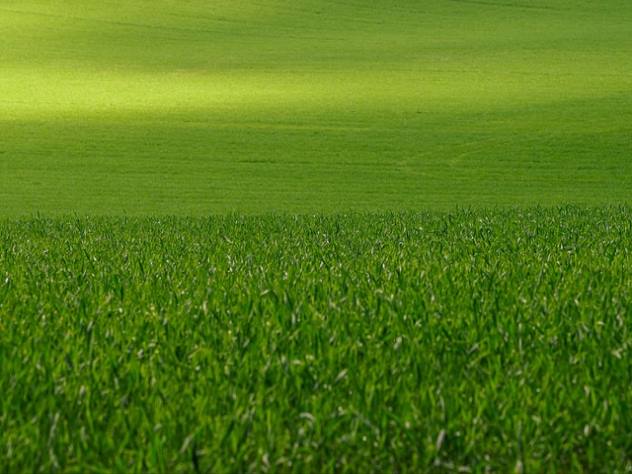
(465, 341)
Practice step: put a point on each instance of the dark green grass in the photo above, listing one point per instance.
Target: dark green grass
(469, 341)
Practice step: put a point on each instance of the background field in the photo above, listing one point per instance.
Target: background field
(462, 342)
(201, 107)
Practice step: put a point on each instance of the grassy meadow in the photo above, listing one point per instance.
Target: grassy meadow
(315, 236)
(464, 342)
(198, 107)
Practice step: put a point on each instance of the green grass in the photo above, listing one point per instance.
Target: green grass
(193, 107)
(460, 342)
(335, 313)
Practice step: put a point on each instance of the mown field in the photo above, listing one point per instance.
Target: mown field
(201, 107)
(471, 341)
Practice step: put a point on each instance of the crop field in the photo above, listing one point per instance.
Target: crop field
(315, 236)
(461, 342)
(196, 107)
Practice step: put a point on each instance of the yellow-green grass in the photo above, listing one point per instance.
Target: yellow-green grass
(205, 107)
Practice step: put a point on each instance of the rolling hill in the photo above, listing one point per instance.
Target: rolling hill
(196, 107)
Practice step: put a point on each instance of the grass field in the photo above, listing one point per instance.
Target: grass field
(193, 107)
(315, 236)
(462, 342)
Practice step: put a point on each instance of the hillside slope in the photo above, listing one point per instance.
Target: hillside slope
(196, 107)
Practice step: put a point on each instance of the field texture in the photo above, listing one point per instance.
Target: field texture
(318, 321)
(196, 107)
(460, 342)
